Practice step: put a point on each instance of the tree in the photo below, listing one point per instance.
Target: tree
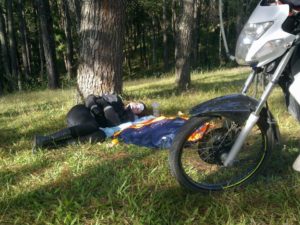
(12, 44)
(101, 50)
(75, 9)
(4, 47)
(184, 43)
(195, 35)
(39, 37)
(24, 40)
(69, 56)
(165, 36)
(46, 26)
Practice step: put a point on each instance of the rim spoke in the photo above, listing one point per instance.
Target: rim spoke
(202, 160)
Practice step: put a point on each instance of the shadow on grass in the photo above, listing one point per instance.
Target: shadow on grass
(282, 158)
(9, 137)
(100, 182)
(110, 186)
(107, 187)
(14, 175)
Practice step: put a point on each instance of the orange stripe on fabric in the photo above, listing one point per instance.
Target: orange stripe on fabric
(148, 122)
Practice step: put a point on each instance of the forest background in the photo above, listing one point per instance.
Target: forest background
(41, 39)
(46, 44)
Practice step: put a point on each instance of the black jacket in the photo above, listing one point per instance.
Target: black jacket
(109, 108)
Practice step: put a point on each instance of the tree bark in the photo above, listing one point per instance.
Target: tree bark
(239, 16)
(196, 32)
(183, 45)
(140, 43)
(78, 12)
(69, 57)
(144, 47)
(12, 45)
(42, 58)
(40, 43)
(46, 25)
(165, 36)
(1, 86)
(128, 48)
(24, 41)
(154, 42)
(4, 51)
(174, 17)
(101, 51)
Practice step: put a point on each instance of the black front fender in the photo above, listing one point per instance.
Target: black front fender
(236, 106)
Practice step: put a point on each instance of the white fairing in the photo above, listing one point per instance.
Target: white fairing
(296, 165)
(268, 41)
(295, 88)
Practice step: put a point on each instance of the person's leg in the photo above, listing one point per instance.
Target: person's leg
(98, 136)
(82, 132)
(81, 124)
(53, 140)
(79, 114)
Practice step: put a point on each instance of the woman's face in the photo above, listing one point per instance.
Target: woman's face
(136, 107)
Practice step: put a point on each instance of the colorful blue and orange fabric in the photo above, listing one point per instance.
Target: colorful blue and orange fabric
(157, 132)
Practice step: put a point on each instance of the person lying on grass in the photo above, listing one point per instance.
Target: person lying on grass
(85, 120)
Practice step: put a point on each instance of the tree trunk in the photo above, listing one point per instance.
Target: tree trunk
(174, 17)
(135, 36)
(12, 45)
(1, 86)
(24, 40)
(165, 36)
(77, 4)
(140, 44)
(101, 50)
(128, 48)
(183, 45)
(42, 59)
(196, 33)
(4, 52)
(154, 42)
(144, 48)
(69, 42)
(220, 48)
(48, 42)
(40, 43)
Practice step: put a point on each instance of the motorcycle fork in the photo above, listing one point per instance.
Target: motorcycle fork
(254, 116)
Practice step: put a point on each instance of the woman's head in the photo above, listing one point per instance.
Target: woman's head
(138, 108)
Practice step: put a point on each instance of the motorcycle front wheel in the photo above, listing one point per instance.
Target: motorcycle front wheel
(201, 146)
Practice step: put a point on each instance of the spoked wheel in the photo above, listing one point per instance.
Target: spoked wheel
(201, 146)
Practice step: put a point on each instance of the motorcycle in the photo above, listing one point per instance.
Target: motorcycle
(228, 140)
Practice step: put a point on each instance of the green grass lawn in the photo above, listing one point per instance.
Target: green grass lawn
(99, 184)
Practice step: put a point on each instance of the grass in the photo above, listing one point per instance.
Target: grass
(125, 184)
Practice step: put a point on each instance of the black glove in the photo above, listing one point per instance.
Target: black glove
(90, 103)
(95, 110)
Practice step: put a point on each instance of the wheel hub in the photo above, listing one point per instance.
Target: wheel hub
(215, 145)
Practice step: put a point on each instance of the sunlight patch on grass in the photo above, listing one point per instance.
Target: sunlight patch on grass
(126, 184)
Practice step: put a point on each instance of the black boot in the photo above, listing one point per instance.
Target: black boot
(52, 140)
(98, 136)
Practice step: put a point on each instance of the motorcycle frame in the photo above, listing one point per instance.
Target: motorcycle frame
(254, 116)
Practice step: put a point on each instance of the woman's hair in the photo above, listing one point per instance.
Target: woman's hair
(143, 113)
